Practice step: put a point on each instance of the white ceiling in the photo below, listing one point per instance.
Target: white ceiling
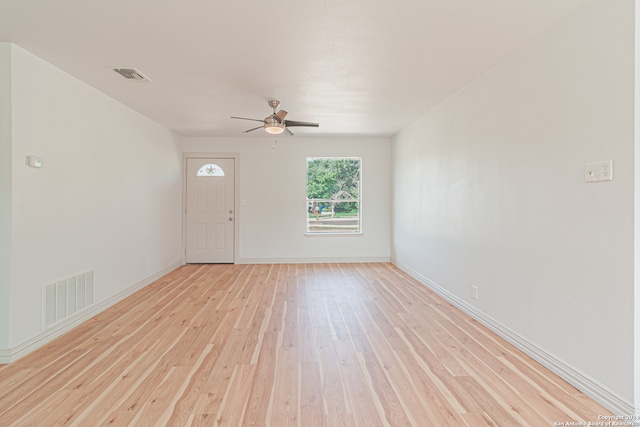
(359, 67)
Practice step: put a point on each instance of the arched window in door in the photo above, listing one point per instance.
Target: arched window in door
(210, 169)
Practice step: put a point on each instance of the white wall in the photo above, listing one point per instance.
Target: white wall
(273, 182)
(108, 198)
(5, 192)
(637, 213)
(488, 190)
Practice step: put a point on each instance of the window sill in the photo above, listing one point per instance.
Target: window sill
(307, 234)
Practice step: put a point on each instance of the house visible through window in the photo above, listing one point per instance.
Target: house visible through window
(333, 195)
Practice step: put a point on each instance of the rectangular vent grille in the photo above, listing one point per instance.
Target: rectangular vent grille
(132, 74)
(66, 297)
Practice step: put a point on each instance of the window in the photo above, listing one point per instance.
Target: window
(210, 170)
(333, 195)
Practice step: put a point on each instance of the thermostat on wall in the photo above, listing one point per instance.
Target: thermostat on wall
(35, 162)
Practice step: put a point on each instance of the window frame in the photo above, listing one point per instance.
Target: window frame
(334, 233)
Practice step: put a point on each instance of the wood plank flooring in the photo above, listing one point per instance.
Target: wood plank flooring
(285, 345)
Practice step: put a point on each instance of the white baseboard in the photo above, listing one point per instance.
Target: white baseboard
(5, 356)
(13, 354)
(311, 260)
(582, 382)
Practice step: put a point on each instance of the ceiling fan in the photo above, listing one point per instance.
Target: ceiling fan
(276, 123)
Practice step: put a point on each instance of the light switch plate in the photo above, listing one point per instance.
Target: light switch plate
(34, 162)
(599, 171)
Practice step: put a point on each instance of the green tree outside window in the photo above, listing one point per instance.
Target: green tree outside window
(333, 195)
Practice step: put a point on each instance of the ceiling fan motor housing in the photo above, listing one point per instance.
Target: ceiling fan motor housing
(275, 104)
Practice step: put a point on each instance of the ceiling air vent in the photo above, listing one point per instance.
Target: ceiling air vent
(132, 74)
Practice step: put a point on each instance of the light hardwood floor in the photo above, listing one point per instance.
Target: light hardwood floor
(280, 345)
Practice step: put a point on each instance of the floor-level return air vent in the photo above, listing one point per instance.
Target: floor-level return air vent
(66, 296)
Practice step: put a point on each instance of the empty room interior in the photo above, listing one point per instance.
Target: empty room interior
(175, 250)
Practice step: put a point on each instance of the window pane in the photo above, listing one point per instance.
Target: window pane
(333, 195)
(210, 170)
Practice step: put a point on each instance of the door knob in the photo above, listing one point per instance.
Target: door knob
(230, 219)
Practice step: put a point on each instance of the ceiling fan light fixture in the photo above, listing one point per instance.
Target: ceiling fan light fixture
(273, 127)
(275, 123)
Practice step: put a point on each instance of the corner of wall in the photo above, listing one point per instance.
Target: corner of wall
(636, 216)
(5, 192)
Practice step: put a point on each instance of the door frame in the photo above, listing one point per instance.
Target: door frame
(236, 199)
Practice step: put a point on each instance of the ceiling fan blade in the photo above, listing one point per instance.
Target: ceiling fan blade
(244, 118)
(288, 131)
(297, 123)
(259, 127)
(280, 115)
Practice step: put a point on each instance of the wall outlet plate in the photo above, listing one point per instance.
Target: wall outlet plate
(599, 171)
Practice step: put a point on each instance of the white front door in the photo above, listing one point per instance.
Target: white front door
(210, 212)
